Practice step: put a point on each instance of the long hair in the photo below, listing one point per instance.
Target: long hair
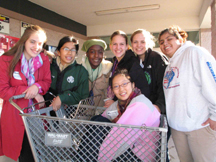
(19, 47)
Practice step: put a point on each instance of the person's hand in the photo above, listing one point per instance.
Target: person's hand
(31, 92)
(156, 106)
(39, 98)
(211, 123)
(56, 104)
(108, 103)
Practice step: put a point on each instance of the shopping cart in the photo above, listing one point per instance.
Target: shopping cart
(71, 136)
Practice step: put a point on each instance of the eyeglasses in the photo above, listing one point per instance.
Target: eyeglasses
(116, 87)
(67, 49)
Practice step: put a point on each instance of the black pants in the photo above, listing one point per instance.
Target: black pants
(26, 153)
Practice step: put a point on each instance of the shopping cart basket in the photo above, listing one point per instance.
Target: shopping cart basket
(71, 136)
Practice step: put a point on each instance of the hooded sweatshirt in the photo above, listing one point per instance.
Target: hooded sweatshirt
(190, 88)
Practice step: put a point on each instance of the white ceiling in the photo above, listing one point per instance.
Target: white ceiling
(171, 11)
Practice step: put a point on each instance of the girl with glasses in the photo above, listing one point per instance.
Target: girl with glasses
(69, 79)
(131, 108)
(125, 58)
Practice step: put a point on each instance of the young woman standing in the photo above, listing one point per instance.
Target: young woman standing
(153, 65)
(24, 69)
(69, 79)
(125, 58)
(98, 68)
(189, 85)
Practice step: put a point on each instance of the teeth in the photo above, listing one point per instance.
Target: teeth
(122, 94)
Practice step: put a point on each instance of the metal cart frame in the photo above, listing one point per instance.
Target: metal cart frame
(71, 136)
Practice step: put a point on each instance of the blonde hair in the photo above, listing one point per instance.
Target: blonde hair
(149, 38)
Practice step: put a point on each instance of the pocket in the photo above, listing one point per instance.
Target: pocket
(211, 131)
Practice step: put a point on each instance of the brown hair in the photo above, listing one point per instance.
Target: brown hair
(175, 31)
(19, 47)
(119, 32)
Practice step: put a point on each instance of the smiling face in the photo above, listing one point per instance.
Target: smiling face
(67, 53)
(169, 44)
(122, 87)
(118, 46)
(34, 44)
(139, 44)
(95, 55)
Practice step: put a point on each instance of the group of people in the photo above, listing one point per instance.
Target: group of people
(140, 83)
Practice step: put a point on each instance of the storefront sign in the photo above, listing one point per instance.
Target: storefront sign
(4, 24)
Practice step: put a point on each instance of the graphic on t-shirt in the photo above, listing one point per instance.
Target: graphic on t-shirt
(171, 78)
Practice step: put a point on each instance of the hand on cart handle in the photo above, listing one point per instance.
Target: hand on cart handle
(39, 98)
(56, 104)
(31, 92)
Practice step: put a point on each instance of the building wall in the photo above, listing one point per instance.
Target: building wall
(54, 33)
(213, 28)
(205, 39)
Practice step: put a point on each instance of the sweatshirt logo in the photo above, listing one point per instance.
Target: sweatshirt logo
(70, 79)
(211, 70)
(171, 78)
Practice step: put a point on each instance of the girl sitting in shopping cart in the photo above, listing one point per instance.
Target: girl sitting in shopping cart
(131, 108)
(123, 143)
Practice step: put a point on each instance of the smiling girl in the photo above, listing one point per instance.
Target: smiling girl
(125, 58)
(69, 79)
(189, 87)
(98, 68)
(131, 108)
(24, 69)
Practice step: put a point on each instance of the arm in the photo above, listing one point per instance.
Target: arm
(44, 80)
(9, 86)
(205, 72)
(73, 97)
(160, 67)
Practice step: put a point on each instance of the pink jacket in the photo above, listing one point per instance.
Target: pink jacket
(11, 124)
(139, 112)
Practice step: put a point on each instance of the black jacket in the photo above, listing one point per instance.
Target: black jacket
(154, 67)
(131, 63)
